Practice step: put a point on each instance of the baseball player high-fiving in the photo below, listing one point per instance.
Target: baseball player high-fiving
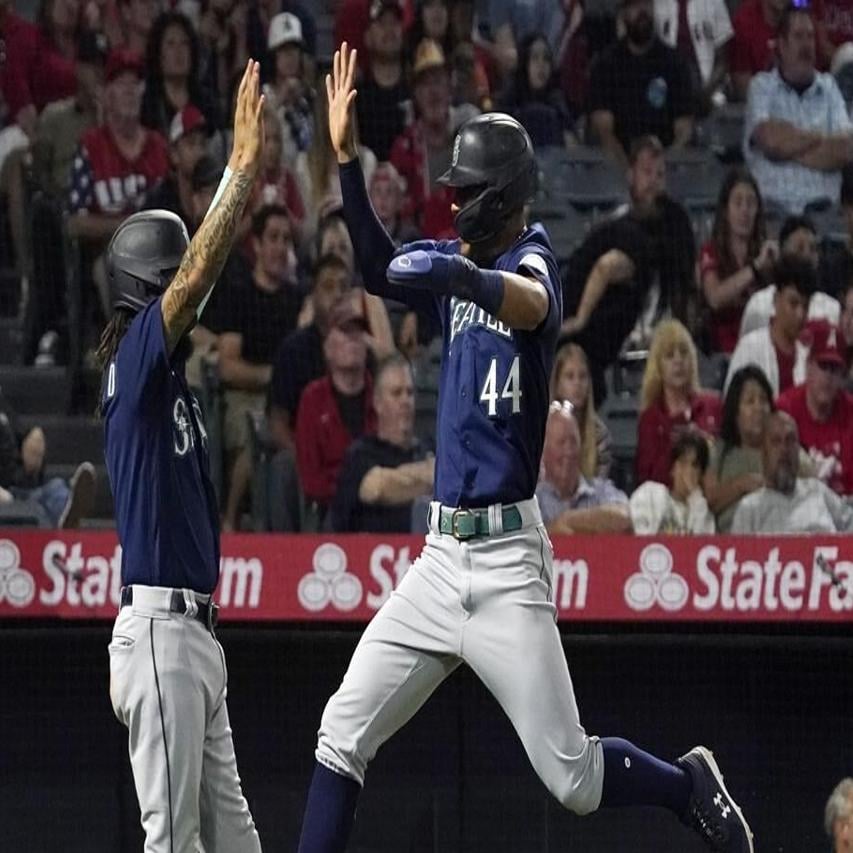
(167, 669)
(481, 590)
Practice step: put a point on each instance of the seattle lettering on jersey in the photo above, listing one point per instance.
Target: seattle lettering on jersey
(464, 313)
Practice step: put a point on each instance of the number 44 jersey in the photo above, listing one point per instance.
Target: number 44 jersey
(493, 397)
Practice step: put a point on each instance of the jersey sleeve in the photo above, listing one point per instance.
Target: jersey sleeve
(544, 270)
(142, 362)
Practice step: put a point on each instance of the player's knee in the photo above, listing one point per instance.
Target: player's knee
(580, 780)
(338, 747)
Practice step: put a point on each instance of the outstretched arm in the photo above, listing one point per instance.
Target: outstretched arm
(206, 254)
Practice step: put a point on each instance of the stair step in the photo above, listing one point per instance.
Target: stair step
(36, 390)
(11, 341)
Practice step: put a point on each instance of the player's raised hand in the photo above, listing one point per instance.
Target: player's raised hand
(248, 123)
(341, 95)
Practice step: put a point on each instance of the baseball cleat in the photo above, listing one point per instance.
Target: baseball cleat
(712, 812)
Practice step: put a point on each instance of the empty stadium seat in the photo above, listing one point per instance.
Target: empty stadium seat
(693, 177)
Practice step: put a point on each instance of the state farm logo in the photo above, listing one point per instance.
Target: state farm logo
(330, 581)
(17, 585)
(656, 582)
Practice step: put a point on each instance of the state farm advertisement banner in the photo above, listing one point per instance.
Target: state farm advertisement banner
(348, 578)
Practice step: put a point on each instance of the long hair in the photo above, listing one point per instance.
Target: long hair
(669, 333)
(320, 155)
(729, 433)
(523, 92)
(417, 32)
(721, 233)
(111, 337)
(585, 414)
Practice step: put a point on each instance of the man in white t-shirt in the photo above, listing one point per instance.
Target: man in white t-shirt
(788, 504)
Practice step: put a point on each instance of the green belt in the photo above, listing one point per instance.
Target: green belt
(468, 523)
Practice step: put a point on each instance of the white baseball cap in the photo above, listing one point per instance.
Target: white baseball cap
(285, 28)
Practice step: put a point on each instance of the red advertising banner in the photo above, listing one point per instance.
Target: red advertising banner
(348, 578)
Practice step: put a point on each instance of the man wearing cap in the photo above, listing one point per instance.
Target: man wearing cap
(337, 409)
(116, 162)
(383, 92)
(640, 86)
(422, 152)
(823, 410)
(288, 91)
(187, 142)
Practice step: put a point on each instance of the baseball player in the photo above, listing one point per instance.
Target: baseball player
(167, 670)
(481, 590)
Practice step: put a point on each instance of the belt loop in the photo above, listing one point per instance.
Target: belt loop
(190, 604)
(496, 519)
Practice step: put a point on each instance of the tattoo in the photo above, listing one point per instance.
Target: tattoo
(204, 258)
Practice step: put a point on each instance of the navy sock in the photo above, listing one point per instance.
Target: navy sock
(635, 778)
(329, 812)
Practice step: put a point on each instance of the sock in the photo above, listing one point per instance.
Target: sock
(635, 778)
(329, 812)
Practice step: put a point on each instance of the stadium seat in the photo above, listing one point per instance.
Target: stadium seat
(722, 132)
(581, 176)
(693, 177)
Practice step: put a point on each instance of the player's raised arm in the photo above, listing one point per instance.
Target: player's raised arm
(205, 256)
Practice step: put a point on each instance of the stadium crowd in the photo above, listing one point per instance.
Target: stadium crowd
(707, 278)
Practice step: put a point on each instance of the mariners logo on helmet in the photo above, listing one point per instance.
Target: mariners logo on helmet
(493, 158)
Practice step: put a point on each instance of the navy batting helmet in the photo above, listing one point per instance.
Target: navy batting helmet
(143, 256)
(493, 162)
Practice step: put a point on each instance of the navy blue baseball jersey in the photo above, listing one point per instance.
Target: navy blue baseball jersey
(156, 451)
(493, 395)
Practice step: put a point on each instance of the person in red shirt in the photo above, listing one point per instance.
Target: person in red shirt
(823, 410)
(116, 164)
(737, 260)
(833, 20)
(335, 410)
(421, 153)
(755, 24)
(671, 401)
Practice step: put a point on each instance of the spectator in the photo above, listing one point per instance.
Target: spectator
(333, 239)
(833, 28)
(336, 410)
(671, 401)
(737, 260)
(776, 348)
(823, 410)
(571, 503)
(756, 24)
(681, 508)
(421, 153)
(846, 325)
(256, 316)
(186, 148)
(224, 51)
(24, 488)
(570, 382)
(786, 503)
(258, 19)
(535, 97)
(512, 23)
(432, 21)
(700, 30)
(299, 359)
(289, 92)
(172, 66)
(475, 73)
(383, 474)
(838, 816)
(381, 96)
(735, 469)
(316, 170)
(639, 86)
(116, 163)
(386, 189)
(797, 239)
(797, 134)
(631, 270)
(353, 19)
(129, 28)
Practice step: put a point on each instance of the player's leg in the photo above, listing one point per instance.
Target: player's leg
(156, 694)
(226, 822)
(408, 649)
(513, 644)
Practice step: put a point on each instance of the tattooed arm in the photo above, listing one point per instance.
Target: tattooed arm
(205, 256)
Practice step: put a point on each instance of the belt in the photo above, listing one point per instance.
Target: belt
(207, 612)
(469, 523)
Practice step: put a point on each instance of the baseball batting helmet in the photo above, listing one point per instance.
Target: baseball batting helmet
(493, 159)
(143, 256)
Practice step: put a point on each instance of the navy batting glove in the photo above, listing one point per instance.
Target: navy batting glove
(432, 270)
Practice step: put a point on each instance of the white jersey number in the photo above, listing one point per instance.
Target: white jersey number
(511, 389)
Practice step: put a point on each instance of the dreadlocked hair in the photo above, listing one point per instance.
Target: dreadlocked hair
(111, 337)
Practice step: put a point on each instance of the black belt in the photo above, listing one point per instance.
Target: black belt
(207, 612)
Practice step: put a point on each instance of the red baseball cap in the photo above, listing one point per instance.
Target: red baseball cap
(186, 121)
(827, 343)
(120, 60)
